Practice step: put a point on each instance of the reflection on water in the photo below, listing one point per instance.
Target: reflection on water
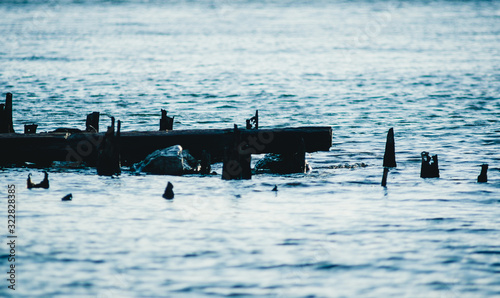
(427, 69)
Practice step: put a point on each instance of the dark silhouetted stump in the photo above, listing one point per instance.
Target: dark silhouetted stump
(92, 122)
(6, 123)
(237, 158)
(390, 152)
(43, 184)
(67, 197)
(253, 122)
(108, 159)
(205, 163)
(30, 128)
(166, 122)
(483, 177)
(169, 191)
(430, 167)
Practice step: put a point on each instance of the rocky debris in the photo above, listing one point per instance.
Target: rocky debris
(169, 161)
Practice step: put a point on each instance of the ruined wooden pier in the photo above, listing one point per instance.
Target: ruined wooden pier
(44, 148)
(75, 145)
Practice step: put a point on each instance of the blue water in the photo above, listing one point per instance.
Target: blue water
(430, 69)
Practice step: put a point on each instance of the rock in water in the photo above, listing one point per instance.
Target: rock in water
(483, 177)
(169, 191)
(67, 197)
(169, 161)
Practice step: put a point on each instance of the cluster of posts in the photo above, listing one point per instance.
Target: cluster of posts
(429, 167)
(234, 147)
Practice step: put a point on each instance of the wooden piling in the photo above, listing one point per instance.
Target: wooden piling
(108, 160)
(30, 128)
(483, 177)
(430, 167)
(237, 159)
(6, 123)
(205, 163)
(166, 122)
(389, 156)
(92, 122)
(253, 122)
(384, 176)
(390, 152)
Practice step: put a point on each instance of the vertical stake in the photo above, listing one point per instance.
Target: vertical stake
(92, 122)
(166, 122)
(390, 151)
(8, 111)
(389, 156)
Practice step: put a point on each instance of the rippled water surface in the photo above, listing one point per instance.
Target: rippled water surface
(429, 69)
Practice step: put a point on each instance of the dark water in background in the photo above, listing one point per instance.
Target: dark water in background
(429, 69)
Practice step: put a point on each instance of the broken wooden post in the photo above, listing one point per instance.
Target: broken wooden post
(6, 124)
(166, 122)
(430, 167)
(236, 163)
(169, 191)
(92, 123)
(205, 163)
(389, 155)
(3, 119)
(43, 184)
(254, 121)
(30, 128)
(390, 151)
(483, 177)
(296, 160)
(108, 159)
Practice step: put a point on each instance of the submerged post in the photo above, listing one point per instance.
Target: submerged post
(166, 122)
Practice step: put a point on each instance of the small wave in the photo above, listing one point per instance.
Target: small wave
(35, 58)
(205, 95)
(487, 252)
(439, 219)
(199, 254)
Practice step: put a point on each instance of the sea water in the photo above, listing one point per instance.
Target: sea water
(430, 69)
